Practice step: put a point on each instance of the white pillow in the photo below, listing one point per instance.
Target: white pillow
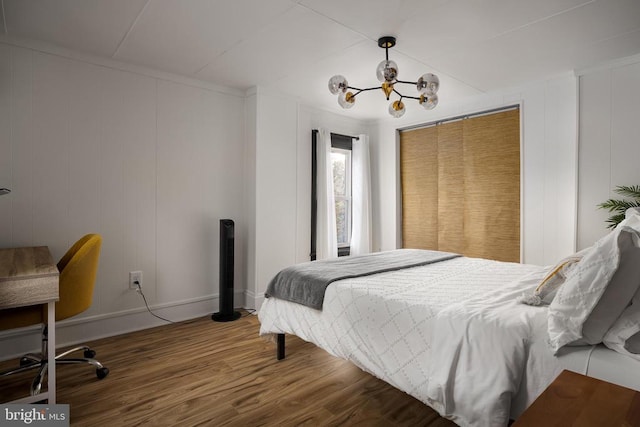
(632, 212)
(579, 295)
(577, 298)
(628, 325)
(631, 219)
(633, 343)
(625, 327)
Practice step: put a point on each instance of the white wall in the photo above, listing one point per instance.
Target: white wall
(150, 161)
(249, 254)
(275, 191)
(282, 141)
(548, 126)
(609, 142)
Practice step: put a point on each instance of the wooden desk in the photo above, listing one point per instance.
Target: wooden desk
(28, 276)
(576, 400)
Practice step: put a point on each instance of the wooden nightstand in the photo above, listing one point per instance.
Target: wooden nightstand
(577, 400)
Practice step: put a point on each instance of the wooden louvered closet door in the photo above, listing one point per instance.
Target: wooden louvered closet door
(461, 186)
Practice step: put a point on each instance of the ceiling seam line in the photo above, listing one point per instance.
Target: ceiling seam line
(606, 39)
(439, 71)
(496, 36)
(4, 18)
(133, 24)
(327, 56)
(199, 70)
(235, 44)
(337, 22)
(238, 43)
(500, 35)
(528, 24)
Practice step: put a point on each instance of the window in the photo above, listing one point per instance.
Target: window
(341, 146)
(341, 165)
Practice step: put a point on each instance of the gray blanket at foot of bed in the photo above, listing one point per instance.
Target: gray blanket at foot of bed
(306, 283)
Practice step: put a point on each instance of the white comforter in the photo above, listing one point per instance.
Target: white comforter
(450, 334)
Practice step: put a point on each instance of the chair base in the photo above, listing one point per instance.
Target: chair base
(39, 361)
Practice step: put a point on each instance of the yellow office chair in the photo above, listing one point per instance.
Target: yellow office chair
(78, 268)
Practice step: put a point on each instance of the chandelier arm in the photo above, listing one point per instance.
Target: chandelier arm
(362, 90)
(406, 82)
(405, 96)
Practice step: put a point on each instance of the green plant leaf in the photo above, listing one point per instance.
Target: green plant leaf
(619, 207)
(632, 191)
(614, 220)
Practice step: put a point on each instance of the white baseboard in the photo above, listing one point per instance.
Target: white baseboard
(16, 342)
(253, 300)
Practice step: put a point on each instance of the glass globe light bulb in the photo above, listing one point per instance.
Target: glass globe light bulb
(346, 100)
(428, 84)
(396, 109)
(387, 71)
(429, 102)
(337, 84)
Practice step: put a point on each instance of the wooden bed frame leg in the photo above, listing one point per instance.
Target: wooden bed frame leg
(280, 347)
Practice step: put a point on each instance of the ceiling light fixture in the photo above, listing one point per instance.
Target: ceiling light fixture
(387, 73)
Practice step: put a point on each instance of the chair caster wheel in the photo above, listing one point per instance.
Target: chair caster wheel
(102, 372)
(89, 354)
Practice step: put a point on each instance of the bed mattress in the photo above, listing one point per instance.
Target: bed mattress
(600, 362)
(384, 323)
(412, 329)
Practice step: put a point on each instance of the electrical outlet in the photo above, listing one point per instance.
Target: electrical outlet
(135, 276)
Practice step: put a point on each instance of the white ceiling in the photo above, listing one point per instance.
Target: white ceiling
(474, 46)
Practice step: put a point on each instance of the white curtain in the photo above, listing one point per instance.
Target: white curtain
(326, 237)
(361, 196)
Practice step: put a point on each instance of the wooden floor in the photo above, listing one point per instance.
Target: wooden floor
(206, 373)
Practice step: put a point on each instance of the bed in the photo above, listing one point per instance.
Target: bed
(455, 333)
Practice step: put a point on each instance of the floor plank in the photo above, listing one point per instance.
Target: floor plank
(203, 373)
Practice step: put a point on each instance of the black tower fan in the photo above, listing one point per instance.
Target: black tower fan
(226, 313)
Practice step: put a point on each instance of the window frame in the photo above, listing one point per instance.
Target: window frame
(339, 141)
